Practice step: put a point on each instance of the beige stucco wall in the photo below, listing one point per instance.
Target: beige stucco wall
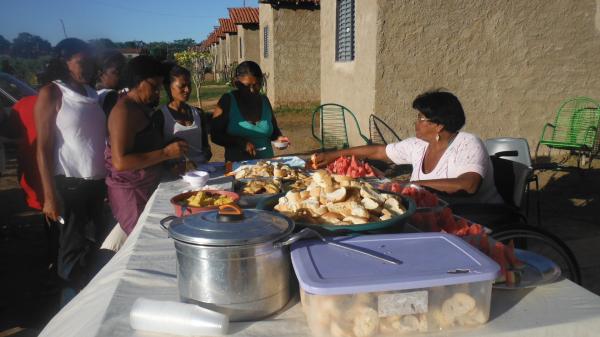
(292, 67)
(265, 14)
(296, 49)
(248, 34)
(232, 48)
(351, 84)
(510, 62)
(221, 57)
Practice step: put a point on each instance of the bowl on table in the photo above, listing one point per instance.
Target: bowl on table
(182, 207)
(280, 145)
(196, 179)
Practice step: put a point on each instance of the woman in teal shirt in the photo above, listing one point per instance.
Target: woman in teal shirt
(243, 121)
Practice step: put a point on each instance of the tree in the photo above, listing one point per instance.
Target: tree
(159, 50)
(102, 44)
(131, 44)
(4, 45)
(30, 46)
(196, 62)
(181, 45)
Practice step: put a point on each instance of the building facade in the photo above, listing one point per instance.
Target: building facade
(246, 20)
(510, 63)
(289, 40)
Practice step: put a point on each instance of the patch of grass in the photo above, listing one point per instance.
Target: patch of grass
(303, 108)
(207, 92)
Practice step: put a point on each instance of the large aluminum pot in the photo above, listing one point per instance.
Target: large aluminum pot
(233, 261)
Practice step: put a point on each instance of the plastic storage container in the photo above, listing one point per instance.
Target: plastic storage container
(441, 283)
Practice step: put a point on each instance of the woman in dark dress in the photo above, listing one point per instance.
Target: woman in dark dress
(243, 121)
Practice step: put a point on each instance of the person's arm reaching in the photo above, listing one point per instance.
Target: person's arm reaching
(46, 109)
(375, 152)
(218, 133)
(121, 122)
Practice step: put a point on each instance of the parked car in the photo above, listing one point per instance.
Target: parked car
(11, 90)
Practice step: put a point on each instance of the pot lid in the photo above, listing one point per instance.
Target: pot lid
(227, 227)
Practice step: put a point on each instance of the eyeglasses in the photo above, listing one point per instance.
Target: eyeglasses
(422, 119)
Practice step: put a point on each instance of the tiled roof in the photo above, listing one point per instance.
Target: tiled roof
(220, 33)
(243, 15)
(316, 2)
(228, 26)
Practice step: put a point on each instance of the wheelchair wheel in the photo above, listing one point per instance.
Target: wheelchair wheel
(543, 243)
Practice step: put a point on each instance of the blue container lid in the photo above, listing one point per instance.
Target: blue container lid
(428, 260)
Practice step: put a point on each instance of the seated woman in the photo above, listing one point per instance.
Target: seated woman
(183, 121)
(136, 145)
(243, 121)
(442, 158)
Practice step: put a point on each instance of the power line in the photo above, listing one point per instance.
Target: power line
(140, 10)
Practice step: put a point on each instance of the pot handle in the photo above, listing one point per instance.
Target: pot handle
(163, 222)
(303, 234)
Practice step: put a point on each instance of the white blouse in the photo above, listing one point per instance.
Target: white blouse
(192, 134)
(80, 135)
(466, 153)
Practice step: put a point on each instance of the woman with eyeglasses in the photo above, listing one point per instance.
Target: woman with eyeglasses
(136, 143)
(243, 121)
(443, 157)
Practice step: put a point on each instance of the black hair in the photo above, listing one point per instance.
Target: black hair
(141, 68)
(249, 68)
(111, 58)
(56, 68)
(442, 108)
(174, 71)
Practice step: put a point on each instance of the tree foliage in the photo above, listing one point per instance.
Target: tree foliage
(29, 46)
(102, 44)
(4, 45)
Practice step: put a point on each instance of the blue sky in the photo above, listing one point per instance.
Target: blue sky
(118, 20)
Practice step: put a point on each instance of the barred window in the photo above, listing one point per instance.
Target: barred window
(266, 41)
(344, 34)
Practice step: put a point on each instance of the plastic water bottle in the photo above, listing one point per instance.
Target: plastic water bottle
(176, 318)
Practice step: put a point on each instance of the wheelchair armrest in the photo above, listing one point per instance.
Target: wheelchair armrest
(489, 215)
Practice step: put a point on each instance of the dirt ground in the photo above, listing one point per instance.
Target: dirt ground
(570, 208)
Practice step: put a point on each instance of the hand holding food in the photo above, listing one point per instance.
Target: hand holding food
(175, 149)
(251, 149)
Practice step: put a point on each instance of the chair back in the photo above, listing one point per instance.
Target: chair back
(380, 132)
(331, 130)
(501, 144)
(576, 123)
(511, 177)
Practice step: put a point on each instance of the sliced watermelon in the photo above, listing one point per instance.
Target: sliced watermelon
(475, 229)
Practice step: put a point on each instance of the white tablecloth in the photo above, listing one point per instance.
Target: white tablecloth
(145, 267)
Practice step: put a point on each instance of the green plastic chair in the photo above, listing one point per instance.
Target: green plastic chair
(380, 132)
(333, 130)
(575, 129)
